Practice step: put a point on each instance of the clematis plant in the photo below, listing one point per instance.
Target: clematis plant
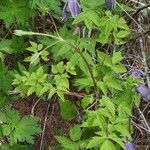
(71, 7)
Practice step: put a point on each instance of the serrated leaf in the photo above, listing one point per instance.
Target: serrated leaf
(104, 58)
(75, 133)
(86, 101)
(94, 142)
(44, 55)
(35, 58)
(117, 57)
(112, 82)
(19, 129)
(117, 140)
(66, 143)
(67, 110)
(107, 145)
(52, 91)
(31, 90)
(119, 68)
(39, 72)
(123, 34)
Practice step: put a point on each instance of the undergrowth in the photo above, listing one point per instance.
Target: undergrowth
(50, 61)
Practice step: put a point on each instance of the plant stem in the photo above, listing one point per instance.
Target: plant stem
(20, 33)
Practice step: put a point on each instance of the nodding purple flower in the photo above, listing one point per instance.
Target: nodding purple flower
(71, 6)
(110, 4)
(144, 91)
(137, 73)
(129, 146)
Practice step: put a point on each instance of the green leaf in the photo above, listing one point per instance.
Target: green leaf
(26, 128)
(67, 110)
(102, 86)
(15, 10)
(118, 140)
(84, 83)
(35, 58)
(44, 55)
(52, 91)
(33, 48)
(119, 68)
(107, 145)
(104, 58)
(108, 103)
(122, 34)
(31, 90)
(19, 129)
(6, 78)
(15, 147)
(117, 57)
(46, 6)
(89, 17)
(75, 133)
(94, 142)
(112, 82)
(70, 68)
(39, 72)
(66, 143)
(59, 68)
(61, 95)
(5, 46)
(86, 101)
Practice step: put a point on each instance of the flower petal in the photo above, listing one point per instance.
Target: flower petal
(110, 4)
(65, 13)
(144, 91)
(137, 72)
(129, 146)
(74, 7)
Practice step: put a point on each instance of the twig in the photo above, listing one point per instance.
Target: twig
(140, 9)
(144, 119)
(143, 54)
(54, 24)
(78, 95)
(44, 126)
(93, 104)
(138, 127)
(137, 2)
(146, 68)
(138, 35)
(32, 111)
(146, 107)
(131, 18)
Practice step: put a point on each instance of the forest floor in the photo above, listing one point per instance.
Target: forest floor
(137, 55)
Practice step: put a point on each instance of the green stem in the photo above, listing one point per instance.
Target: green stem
(21, 33)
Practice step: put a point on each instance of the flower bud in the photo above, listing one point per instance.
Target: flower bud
(129, 146)
(71, 7)
(110, 4)
(144, 91)
(137, 73)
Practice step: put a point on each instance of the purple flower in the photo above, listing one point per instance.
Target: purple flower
(144, 91)
(110, 4)
(129, 146)
(71, 6)
(140, 88)
(137, 73)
